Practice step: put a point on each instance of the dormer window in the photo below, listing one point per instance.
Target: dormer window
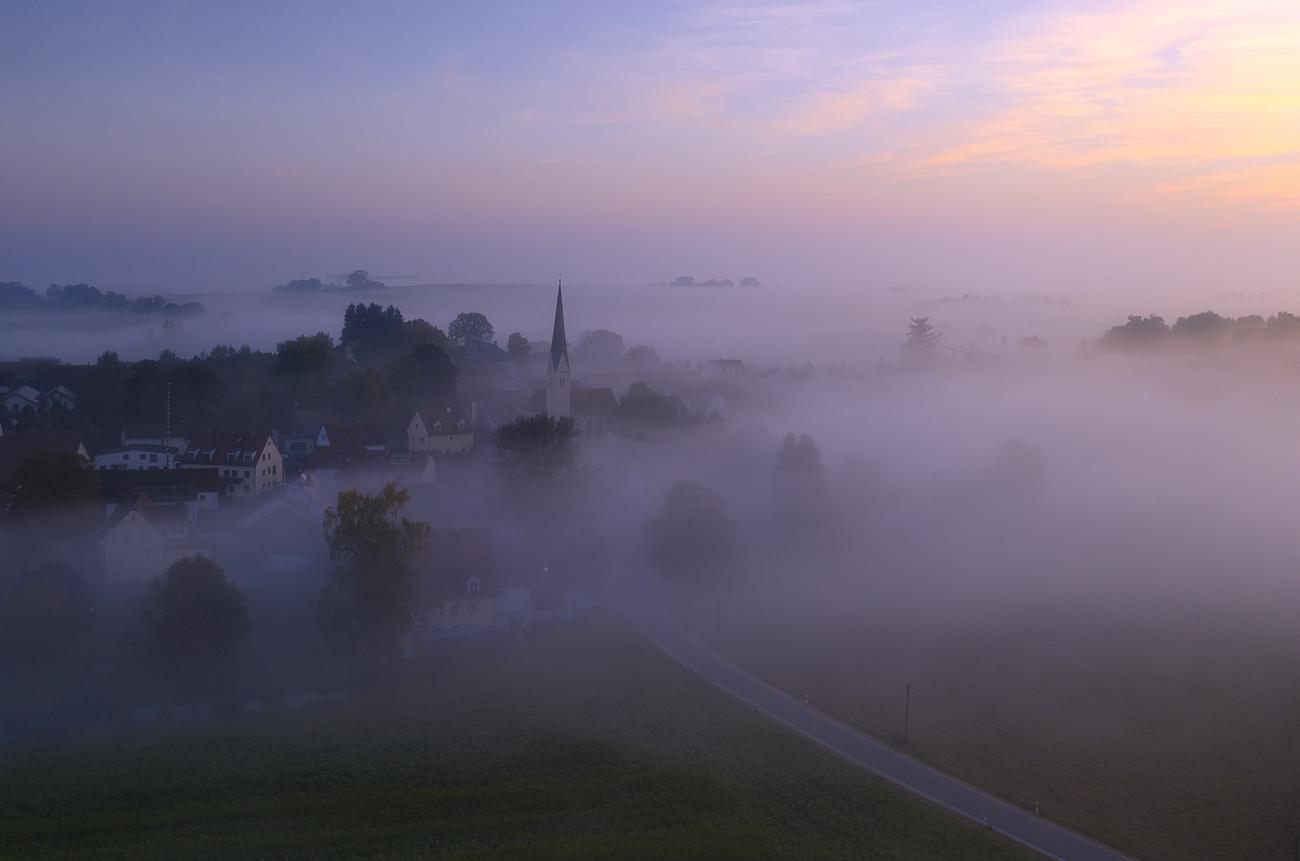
(208, 453)
(192, 453)
(461, 424)
(472, 586)
(248, 456)
(232, 456)
(437, 426)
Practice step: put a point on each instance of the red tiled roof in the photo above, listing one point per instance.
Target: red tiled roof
(450, 559)
(354, 458)
(354, 433)
(12, 448)
(221, 444)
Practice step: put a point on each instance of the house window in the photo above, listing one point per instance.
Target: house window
(473, 608)
(126, 457)
(153, 458)
(247, 473)
(455, 609)
(142, 456)
(472, 586)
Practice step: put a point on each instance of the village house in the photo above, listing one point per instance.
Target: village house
(441, 430)
(725, 369)
(491, 410)
(136, 456)
(177, 436)
(305, 426)
(195, 489)
(250, 463)
(333, 469)
(145, 539)
(352, 434)
(21, 398)
(454, 581)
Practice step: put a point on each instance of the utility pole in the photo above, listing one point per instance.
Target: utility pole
(907, 713)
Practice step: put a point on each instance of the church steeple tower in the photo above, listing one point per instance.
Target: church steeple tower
(557, 370)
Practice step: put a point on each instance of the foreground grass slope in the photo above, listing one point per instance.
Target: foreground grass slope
(587, 743)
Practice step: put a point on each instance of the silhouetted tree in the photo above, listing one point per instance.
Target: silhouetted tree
(369, 394)
(518, 347)
(50, 480)
(371, 332)
(692, 538)
(801, 494)
(1137, 332)
(423, 374)
(643, 405)
(599, 347)
(192, 617)
(367, 607)
(1207, 324)
(537, 454)
(922, 345)
(469, 327)
(44, 611)
(306, 357)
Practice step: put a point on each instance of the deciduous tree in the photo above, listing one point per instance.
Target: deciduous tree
(692, 538)
(191, 618)
(469, 327)
(537, 455)
(367, 607)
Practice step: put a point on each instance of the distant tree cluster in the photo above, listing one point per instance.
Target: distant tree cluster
(602, 348)
(83, 297)
(358, 281)
(689, 281)
(1199, 329)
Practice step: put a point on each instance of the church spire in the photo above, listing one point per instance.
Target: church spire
(559, 346)
(557, 373)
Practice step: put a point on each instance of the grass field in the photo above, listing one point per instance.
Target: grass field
(1173, 740)
(586, 743)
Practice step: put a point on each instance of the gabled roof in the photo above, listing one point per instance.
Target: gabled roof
(12, 448)
(118, 482)
(25, 392)
(490, 351)
(452, 419)
(215, 447)
(351, 433)
(153, 431)
(309, 421)
(451, 558)
(137, 446)
(357, 459)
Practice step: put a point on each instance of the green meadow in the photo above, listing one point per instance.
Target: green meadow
(585, 742)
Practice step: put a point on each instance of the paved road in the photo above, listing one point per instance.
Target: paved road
(639, 601)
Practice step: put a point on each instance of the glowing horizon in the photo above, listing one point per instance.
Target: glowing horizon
(815, 141)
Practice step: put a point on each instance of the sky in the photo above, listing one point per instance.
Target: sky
(1149, 149)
